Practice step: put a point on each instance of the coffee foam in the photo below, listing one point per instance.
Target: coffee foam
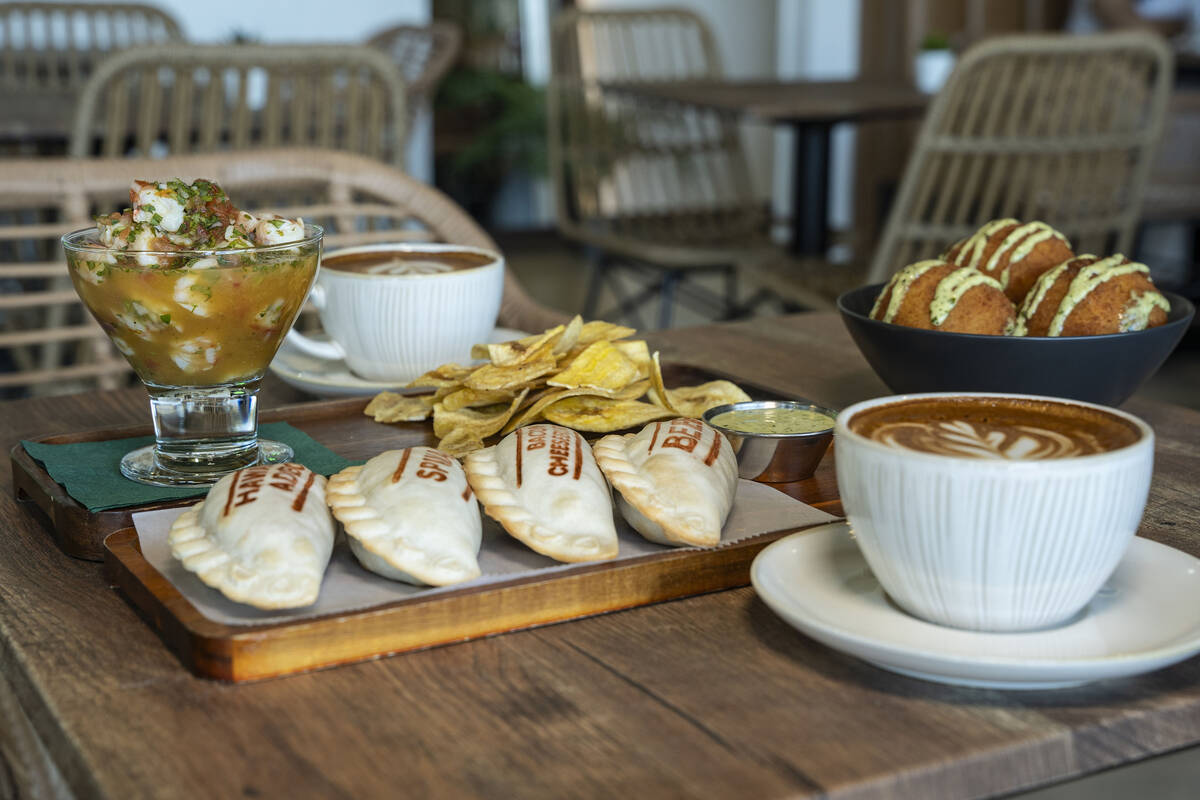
(401, 263)
(408, 267)
(1005, 429)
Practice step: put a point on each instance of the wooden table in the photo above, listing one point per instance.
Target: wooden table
(811, 108)
(711, 696)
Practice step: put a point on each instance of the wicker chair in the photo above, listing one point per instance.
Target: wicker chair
(1054, 128)
(54, 346)
(423, 54)
(662, 192)
(54, 46)
(204, 98)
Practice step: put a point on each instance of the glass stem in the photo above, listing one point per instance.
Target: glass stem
(202, 430)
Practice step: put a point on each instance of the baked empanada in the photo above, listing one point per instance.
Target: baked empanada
(410, 516)
(675, 480)
(262, 536)
(542, 485)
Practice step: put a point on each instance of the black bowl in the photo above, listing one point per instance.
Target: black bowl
(1098, 369)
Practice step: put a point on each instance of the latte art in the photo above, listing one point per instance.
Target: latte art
(971, 440)
(386, 263)
(410, 266)
(995, 428)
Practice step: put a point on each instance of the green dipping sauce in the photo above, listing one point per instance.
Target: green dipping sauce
(774, 420)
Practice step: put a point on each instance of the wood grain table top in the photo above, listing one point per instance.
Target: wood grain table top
(790, 101)
(711, 696)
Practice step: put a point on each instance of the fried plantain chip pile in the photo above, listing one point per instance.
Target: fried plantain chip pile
(586, 376)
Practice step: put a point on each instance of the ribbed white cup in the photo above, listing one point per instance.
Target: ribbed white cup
(991, 545)
(396, 327)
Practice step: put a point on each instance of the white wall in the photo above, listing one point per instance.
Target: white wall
(277, 21)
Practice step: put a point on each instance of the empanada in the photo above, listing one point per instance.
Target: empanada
(542, 485)
(262, 536)
(410, 516)
(675, 480)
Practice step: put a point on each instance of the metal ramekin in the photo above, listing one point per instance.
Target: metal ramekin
(776, 457)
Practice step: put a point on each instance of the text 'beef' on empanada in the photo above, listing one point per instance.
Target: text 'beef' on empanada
(542, 485)
(262, 536)
(675, 480)
(410, 516)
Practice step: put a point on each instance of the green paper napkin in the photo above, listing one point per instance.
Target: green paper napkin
(91, 471)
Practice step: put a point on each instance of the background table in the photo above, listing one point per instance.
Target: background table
(811, 109)
(711, 696)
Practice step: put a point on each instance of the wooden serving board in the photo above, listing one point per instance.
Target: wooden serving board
(341, 426)
(239, 653)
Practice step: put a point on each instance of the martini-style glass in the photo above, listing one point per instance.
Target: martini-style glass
(199, 327)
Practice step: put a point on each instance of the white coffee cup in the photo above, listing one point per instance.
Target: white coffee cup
(991, 544)
(394, 327)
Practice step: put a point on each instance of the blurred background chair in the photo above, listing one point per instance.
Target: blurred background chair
(1173, 190)
(423, 54)
(181, 99)
(48, 343)
(1055, 128)
(57, 45)
(659, 193)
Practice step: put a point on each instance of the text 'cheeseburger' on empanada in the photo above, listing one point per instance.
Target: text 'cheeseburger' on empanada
(262, 536)
(410, 516)
(675, 480)
(541, 483)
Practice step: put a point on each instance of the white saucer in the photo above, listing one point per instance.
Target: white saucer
(1147, 616)
(332, 378)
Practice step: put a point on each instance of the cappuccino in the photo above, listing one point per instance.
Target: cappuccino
(995, 428)
(974, 511)
(401, 262)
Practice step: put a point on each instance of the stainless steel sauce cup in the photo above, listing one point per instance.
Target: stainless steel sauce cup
(775, 457)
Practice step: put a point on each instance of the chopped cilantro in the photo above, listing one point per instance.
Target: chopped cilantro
(165, 319)
(156, 219)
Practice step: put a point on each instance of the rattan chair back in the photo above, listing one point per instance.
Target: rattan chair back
(423, 53)
(626, 167)
(1048, 127)
(48, 344)
(661, 192)
(207, 98)
(57, 45)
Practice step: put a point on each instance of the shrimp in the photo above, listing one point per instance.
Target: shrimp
(157, 204)
(278, 231)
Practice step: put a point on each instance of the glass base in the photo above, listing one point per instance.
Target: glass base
(142, 466)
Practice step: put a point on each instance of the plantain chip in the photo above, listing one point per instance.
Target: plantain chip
(570, 336)
(693, 401)
(393, 407)
(658, 392)
(537, 403)
(602, 415)
(492, 376)
(637, 351)
(466, 397)
(524, 350)
(445, 375)
(601, 366)
(598, 330)
(459, 443)
(480, 422)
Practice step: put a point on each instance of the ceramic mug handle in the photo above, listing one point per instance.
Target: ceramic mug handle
(327, 350)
